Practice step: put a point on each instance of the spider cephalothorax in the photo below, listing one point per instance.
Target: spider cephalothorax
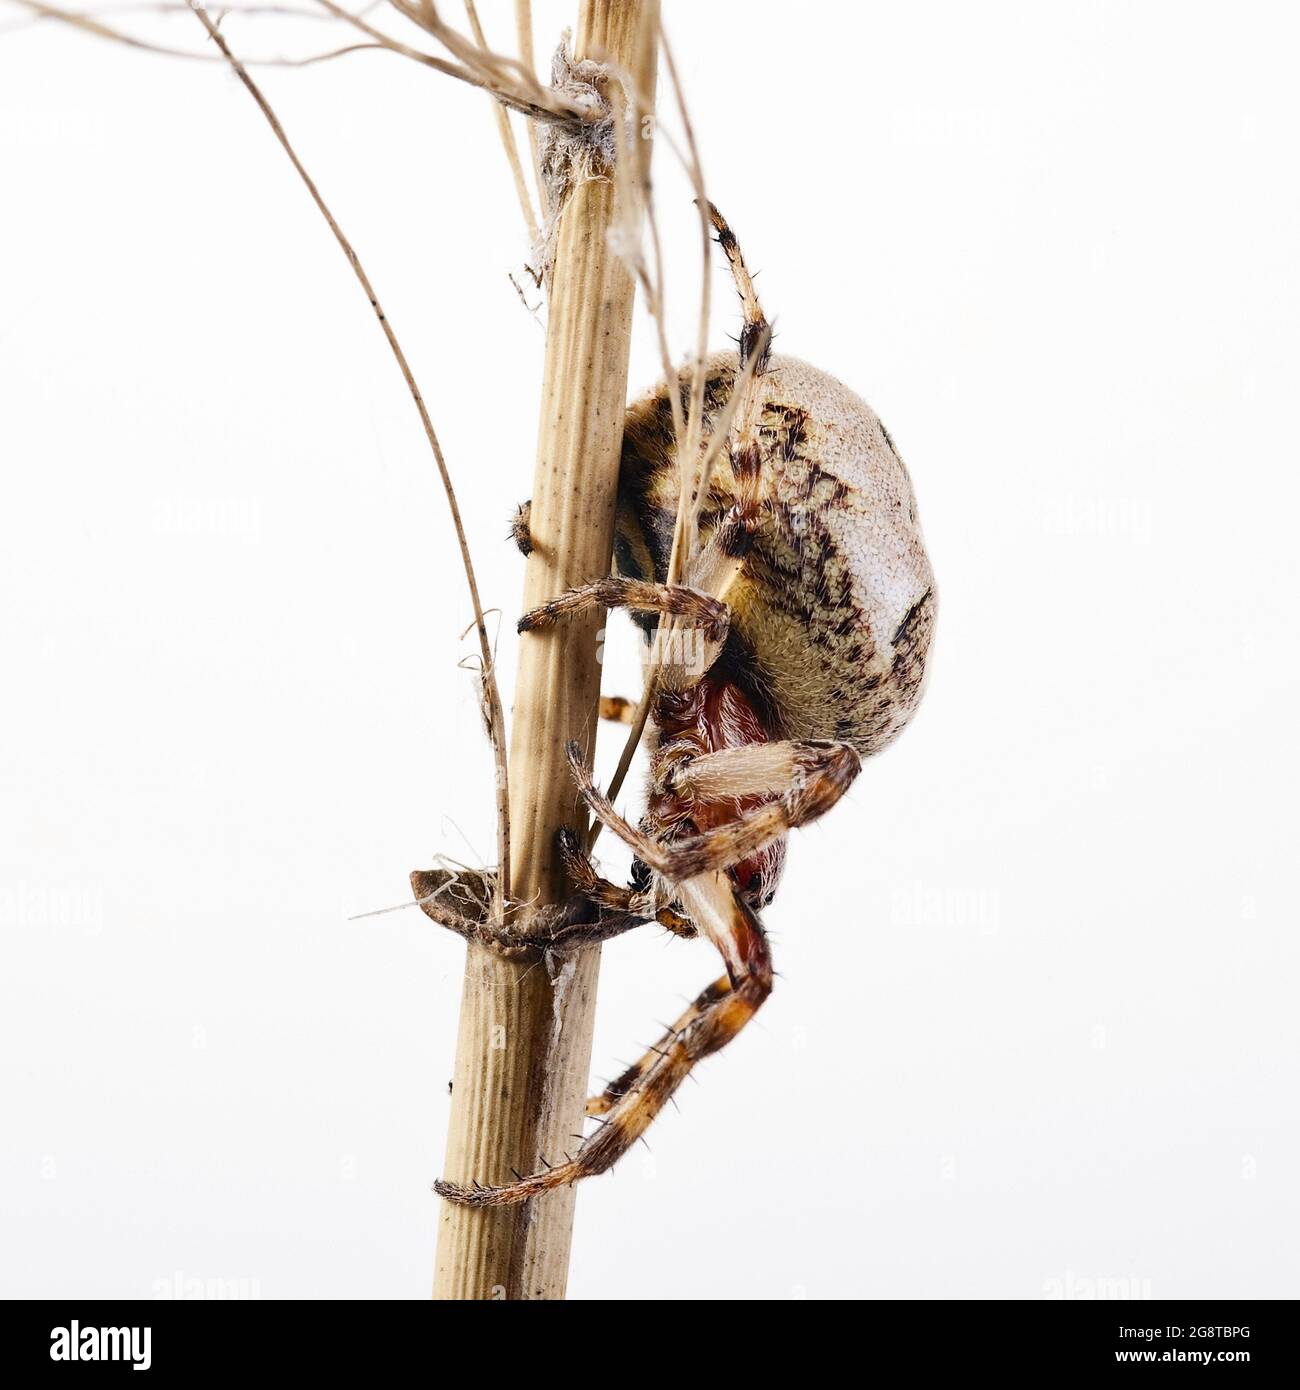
(809, 603)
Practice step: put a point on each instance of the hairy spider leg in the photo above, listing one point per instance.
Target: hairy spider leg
(641, 596)
(582, 874)
(824, 773)
(719, 1015)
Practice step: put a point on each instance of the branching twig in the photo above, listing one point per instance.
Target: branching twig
(506, 78)
(502, 78)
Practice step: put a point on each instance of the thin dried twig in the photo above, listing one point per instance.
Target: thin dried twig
(492, 696)
(505, 77)
(688, 433)
(684, 538)
(90, 24)
(507, 138)
(636, 196)
(524, 34)
(176, 7)
(721, 430)
(93, 24)
(524, 38)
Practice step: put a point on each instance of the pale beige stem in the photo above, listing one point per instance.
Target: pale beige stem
(525, 1031)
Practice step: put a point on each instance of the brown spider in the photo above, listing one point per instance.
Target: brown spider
(809, 605)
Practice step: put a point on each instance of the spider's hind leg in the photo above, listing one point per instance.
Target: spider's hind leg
(719, 1013)
(630, 1079)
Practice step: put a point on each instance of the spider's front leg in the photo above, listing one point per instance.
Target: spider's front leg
(462, 902)
(719, 1013)
(641, 596)
(642, 906)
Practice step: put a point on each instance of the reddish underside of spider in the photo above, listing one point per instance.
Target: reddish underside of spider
(716, 715)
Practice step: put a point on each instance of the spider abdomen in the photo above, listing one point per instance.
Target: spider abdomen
(833, 610)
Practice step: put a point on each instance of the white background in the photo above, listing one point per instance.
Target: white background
(1036, 1022)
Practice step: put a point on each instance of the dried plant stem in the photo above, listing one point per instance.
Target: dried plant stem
(525, 1032)
(491, 695)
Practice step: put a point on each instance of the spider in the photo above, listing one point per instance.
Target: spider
(809, 604)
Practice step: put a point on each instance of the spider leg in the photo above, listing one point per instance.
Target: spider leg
(462, 902)
(720, 564)
(603, 1103)
(618, 709)
(520, 529)
(582, 873)
(641, 596)
(755, 328)
(819, 776)
(717, 1016)
(782, 768)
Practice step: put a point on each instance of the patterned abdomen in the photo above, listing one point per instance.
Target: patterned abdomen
(833, 613)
